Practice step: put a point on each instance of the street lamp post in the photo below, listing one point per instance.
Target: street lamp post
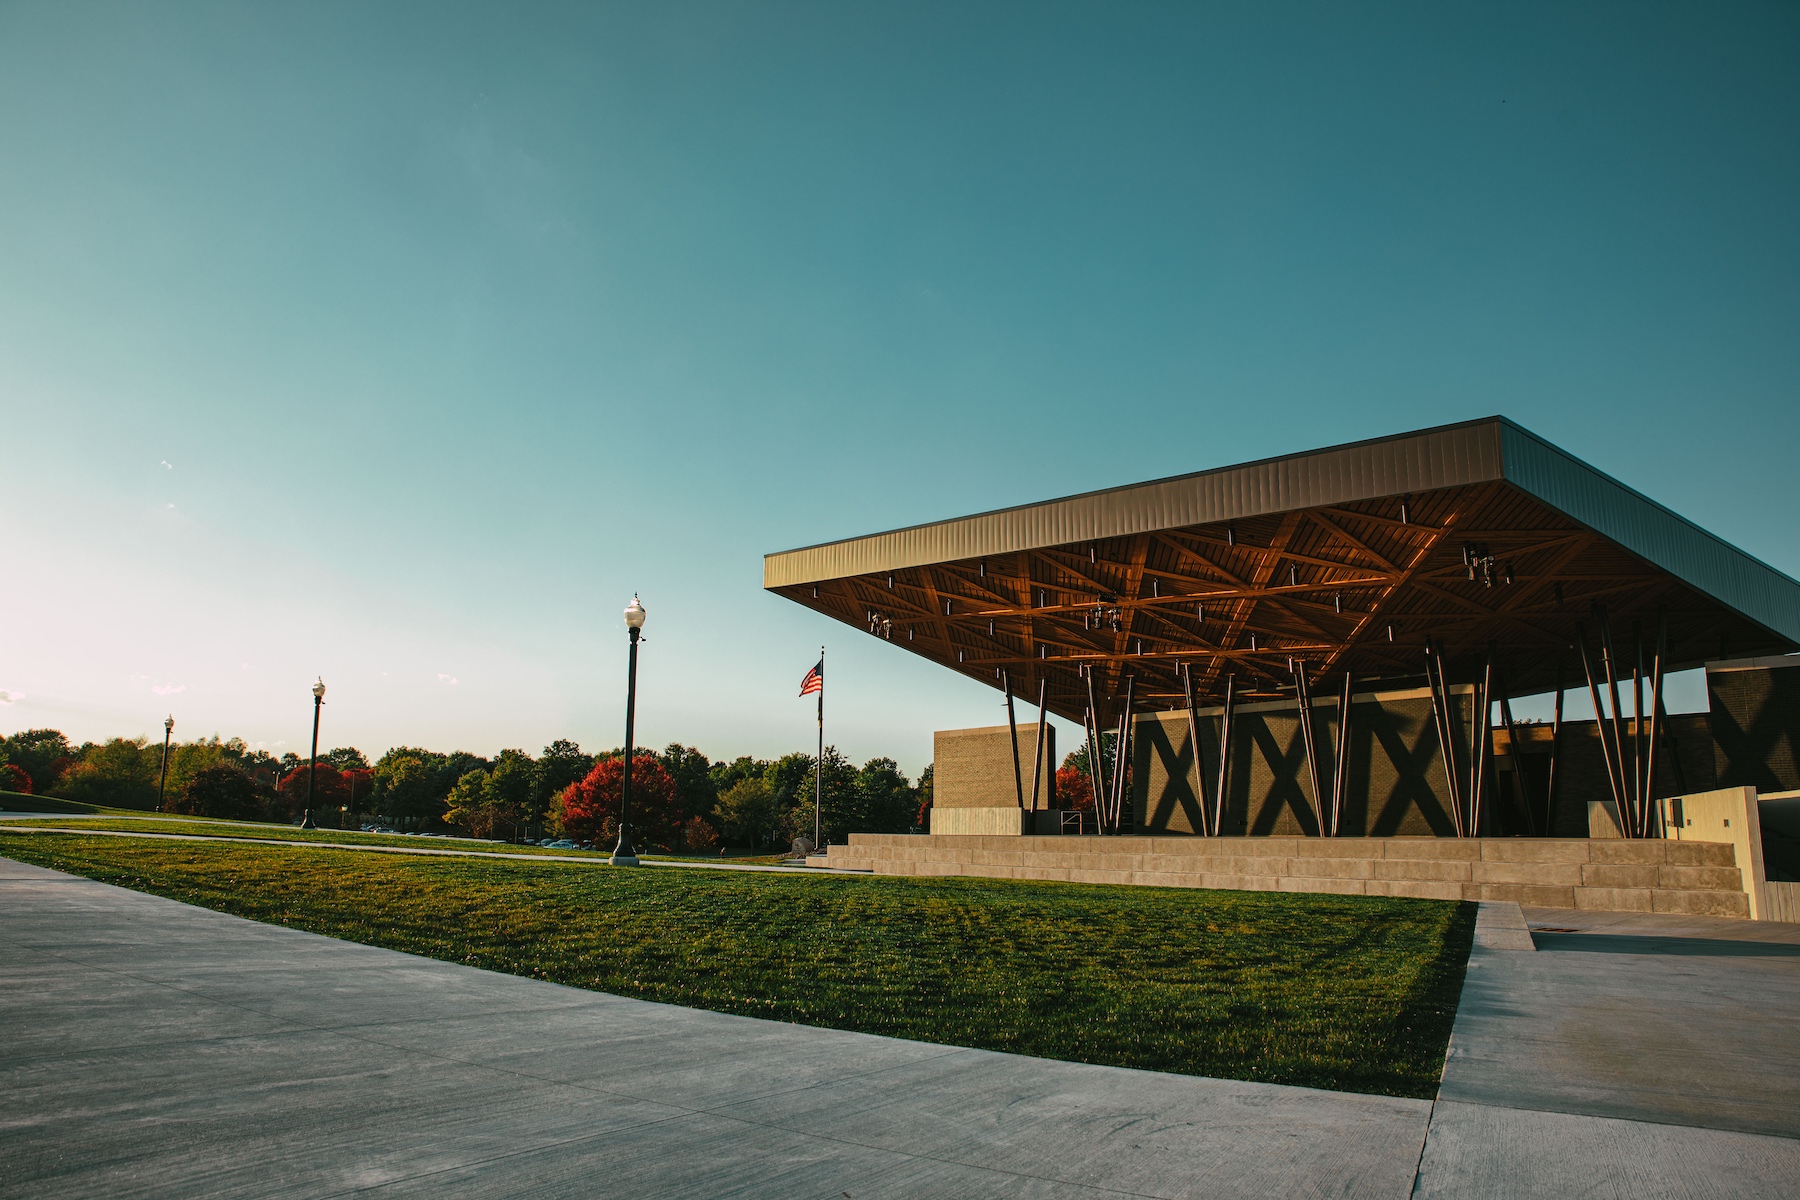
(624, 855)
(163, 778)
(312, 765)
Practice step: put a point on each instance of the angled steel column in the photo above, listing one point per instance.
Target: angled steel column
(1640, 781)
(1480, 737)
(1187, 691)
(1440, 711)
(1091, 723)
(1037, 746)
(1555, 745)
(1656, 704)
(1512, 738)
(1340, 775)
(1609, 661)
(1122, 759)
(1303, 700)
(1224, 754)
(1606, 748)
(1012, 726)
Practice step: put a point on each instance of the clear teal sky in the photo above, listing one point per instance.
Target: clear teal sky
(401, 344)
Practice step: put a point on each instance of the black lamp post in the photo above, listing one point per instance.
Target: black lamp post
(163, 778)
(313, 764)
(624, 855)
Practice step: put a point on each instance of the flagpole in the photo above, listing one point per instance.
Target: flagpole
(819, 764)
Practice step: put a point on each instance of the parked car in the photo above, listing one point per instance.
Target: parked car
(562, 844)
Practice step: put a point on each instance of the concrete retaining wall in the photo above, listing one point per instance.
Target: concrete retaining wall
(1612, 876)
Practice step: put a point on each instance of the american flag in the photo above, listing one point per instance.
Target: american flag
(814, 681)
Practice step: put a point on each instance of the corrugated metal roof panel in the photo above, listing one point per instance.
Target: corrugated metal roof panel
(1414, 462)
(1702, 560)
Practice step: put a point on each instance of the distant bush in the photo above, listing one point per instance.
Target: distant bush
(698, 836)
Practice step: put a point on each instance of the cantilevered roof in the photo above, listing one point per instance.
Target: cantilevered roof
(1345, 558)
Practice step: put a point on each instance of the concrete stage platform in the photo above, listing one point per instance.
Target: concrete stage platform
(1651, 876)
(154, 1049)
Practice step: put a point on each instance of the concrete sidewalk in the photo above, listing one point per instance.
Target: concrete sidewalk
(155, 1049)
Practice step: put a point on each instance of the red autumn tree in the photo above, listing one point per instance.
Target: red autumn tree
(590, 806)
(329, 790)
(1074, 789)
(14, 779)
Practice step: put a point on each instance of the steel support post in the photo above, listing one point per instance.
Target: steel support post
(1037, 745)
(1482, 739)
(1303, 701)
(1012, 726)
(1187, 691)
(1556, 721)
(1224, 755)
(1440, 709)
(1600, 722)
(1609, 661)
(1340, 775)
(1122, 759)
(1092, 724)
(1656, 704)
(1640, 782)
(1521, 784)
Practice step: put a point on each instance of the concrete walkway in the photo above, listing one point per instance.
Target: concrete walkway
(155, 1049)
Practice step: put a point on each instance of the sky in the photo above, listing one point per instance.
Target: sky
(401, 344)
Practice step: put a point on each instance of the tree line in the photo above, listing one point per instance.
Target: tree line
(680, 798)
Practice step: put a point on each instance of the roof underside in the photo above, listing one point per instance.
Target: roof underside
(1345, 559)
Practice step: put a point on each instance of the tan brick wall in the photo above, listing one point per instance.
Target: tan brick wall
(973, 768)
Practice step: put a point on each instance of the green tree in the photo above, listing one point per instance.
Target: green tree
(188, 759)
(747, 812)
(346, 758)
(842, 805)
(406, 785)
(692, 773)
(473, 803)
(884, 802)
(725, 774)
(120, 772)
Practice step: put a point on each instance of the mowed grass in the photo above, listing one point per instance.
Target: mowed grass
(1347, 992)
(263, 830)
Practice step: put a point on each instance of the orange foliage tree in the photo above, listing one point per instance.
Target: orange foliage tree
(1074, 789)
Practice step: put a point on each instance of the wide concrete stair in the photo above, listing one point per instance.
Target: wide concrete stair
(1606, 875)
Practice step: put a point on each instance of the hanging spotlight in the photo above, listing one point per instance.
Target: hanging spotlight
(1043, 651)
(947, 607)
(990, 627)
(983, 571)
(1253, 642)
(1093, 555)
(815, 591)
(1390, 633)
(909, 633)
(1200, 612)
(1293, 574)
(1337, 601)
(1405, 514)
(959, 656)
(1231, 535)
(890, 581)
(1140, 645)
(1156, 587)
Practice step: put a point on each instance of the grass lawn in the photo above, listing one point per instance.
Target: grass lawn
(1348, 992)
(208, 827)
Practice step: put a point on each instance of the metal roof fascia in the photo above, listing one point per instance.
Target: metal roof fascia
(1447, 456)
(1702, 560)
